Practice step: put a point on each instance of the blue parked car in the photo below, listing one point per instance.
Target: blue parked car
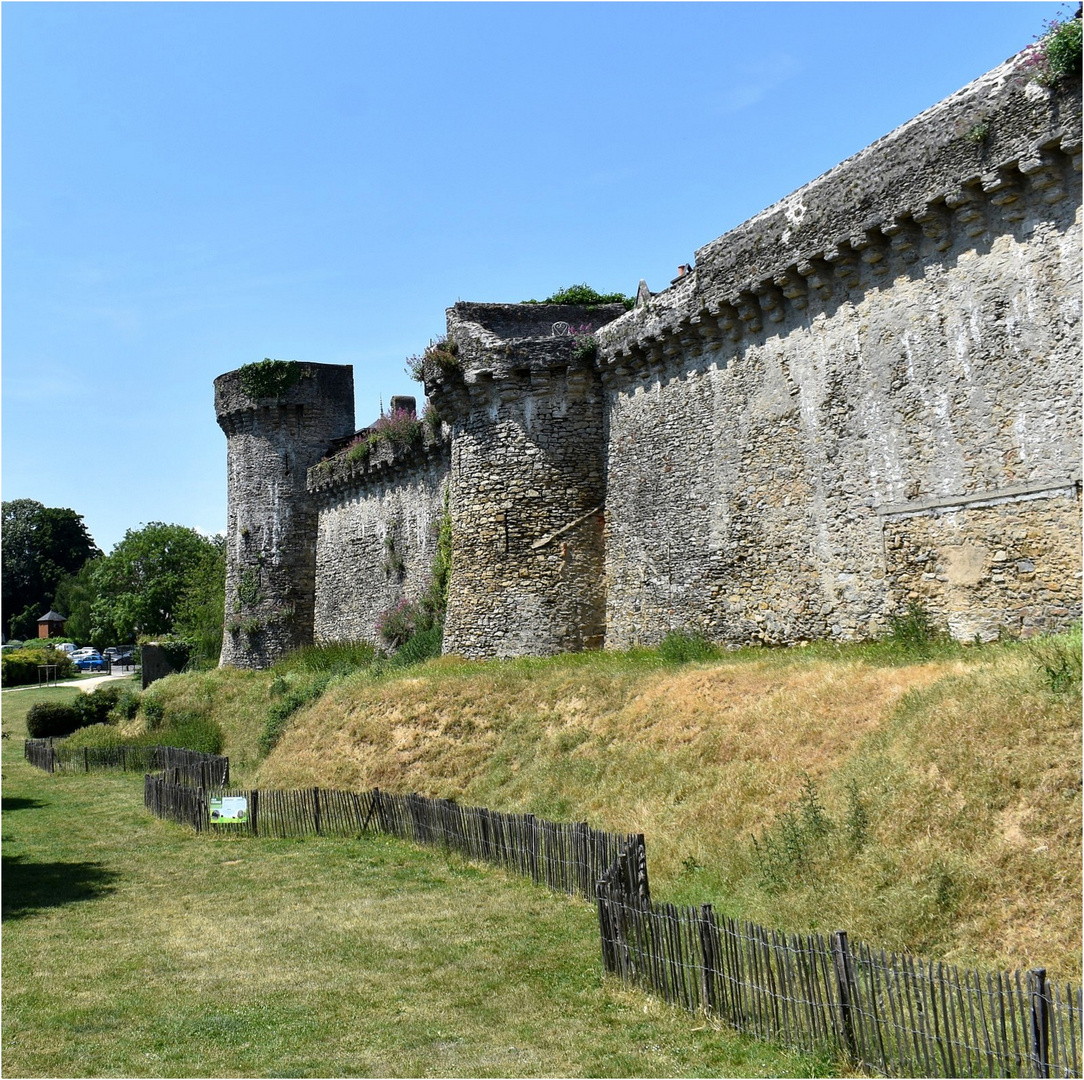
(93, 662)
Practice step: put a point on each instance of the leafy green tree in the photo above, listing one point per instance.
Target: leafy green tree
(74, 598)
(154, 576)
(203, 602)
(41, 546)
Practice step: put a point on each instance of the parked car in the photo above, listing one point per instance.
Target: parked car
(85, 651)
(93, 662)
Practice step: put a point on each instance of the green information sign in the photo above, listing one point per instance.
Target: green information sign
(229, 810)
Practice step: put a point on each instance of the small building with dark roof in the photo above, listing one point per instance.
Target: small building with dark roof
(51, 624)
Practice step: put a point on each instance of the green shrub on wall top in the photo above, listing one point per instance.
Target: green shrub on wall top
(1056, 55)
(584, 296)
(440, 353)
(269, 378)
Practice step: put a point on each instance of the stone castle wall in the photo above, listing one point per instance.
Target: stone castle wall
(377, 532)
(527, 483)
(868, 395)
(803, 435)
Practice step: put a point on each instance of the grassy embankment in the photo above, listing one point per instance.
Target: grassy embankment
(925, 799)
(134, 947)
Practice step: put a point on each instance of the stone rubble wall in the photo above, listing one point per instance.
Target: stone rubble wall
(527, 483)
(376, 540)
(793, 426)
(866, 396)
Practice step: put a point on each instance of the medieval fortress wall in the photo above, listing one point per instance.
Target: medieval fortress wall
(868, 394)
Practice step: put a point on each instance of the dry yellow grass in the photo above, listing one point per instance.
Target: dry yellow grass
(969, 769)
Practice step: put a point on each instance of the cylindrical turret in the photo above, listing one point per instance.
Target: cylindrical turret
(518, 385)
(280, 417)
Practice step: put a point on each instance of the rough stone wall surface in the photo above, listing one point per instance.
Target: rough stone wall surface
(377, 538)
(271, 519)
(527, 483)
(787, 456)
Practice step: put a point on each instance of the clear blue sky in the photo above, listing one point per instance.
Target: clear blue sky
(188, 187)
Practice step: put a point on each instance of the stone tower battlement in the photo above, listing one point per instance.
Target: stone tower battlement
(867, 396)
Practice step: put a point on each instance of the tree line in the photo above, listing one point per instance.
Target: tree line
(158, 581)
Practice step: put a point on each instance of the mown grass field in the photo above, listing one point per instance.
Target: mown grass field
(132, 947)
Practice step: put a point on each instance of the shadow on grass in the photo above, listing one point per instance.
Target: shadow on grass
(30, 886)
(15, 803)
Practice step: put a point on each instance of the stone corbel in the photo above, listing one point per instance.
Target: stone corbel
(729, 322)
(903, 238)
(1070, 146)
(793, 287)
(818, 276)
(872, 247)
(749, 311)
(844, 264)
(936, 225)
(1044, 176)
(967, 208)
(771, 301)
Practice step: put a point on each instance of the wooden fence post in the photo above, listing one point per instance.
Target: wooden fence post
(1040, 1021)
(254, 812)
(532, 846)
(642, 888)
(316, 809)
(710, 966)
(841, 955)
(604, 926)
(86, 759)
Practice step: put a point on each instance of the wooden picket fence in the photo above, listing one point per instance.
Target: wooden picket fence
(188, 766)
(565, 857)
(888, 1013)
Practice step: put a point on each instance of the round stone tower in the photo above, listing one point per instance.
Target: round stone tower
(280, 417)
(518, 385)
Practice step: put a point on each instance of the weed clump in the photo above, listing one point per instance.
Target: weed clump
(1058, 658)
(292, 699)
(683, 647)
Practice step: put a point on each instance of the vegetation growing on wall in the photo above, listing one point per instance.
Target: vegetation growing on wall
(400, 427)
(415, 628)
(584, 296)
(1056, 55)
(440, 353)
(269, 378)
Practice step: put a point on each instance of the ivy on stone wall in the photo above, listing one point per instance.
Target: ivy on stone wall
(269, 378)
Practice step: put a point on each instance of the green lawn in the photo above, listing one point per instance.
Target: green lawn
(133, 947)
